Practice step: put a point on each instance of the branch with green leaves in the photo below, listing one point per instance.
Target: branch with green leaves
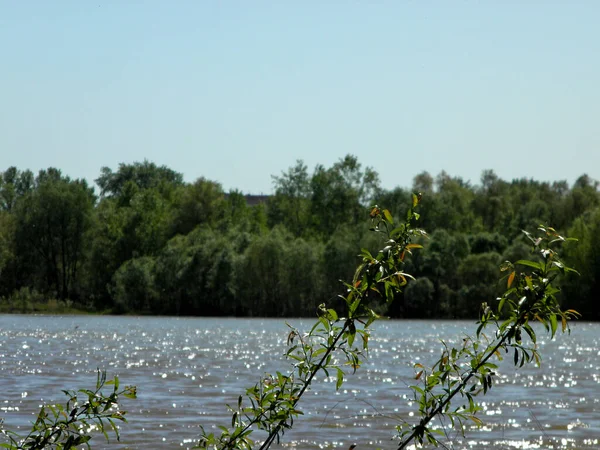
(460, 373)
(71, 425)
(465, 372)
(329, 347)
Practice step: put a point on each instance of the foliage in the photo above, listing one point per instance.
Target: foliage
(71, 425)
(134, 288)
(141, 176)
(487, 242)
(7, 233)
(419, 297)
(195, 273)
(478, 278)
(462, 373)
(272, 404)
(230, 263)
(199, 203)
(279, 275)
(58, 238)
(459, 376)
(13, 185)
(24, 299)
(586, 257)
(291, 203)
(340, 193)
(51, 222)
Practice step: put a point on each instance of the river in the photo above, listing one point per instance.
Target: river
(186, 369)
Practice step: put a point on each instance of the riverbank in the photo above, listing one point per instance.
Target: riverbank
(58, 307)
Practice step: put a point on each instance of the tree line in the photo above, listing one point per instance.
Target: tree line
(148, 242)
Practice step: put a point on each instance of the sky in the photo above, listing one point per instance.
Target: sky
(237, 91)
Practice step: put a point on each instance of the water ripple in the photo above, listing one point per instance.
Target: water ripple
(186, 369)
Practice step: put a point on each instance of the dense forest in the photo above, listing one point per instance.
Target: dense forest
(148, 242)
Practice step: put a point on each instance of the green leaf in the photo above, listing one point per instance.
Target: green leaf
(350, 333)
(316, 353)
(366, 254)
(526, 262)
(553, 324)
(472, 407)
(389, 292)
(501, 305)
(333, 316)
(530, 332)
(529, 283)
(388, 216)
(476, 420)
(398, 230)
(131, 393)
(417, 389)
(340, 379)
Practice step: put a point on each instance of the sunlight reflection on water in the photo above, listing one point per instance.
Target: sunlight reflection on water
(186, 369)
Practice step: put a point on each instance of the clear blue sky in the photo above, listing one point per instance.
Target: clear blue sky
(236, 91)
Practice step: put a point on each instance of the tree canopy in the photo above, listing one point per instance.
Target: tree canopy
(152, 243)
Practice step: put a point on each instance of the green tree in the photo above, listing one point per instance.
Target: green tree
(478, 275)
(340, 256)
(280, 275)
(141, 228)
(423, 183)
(419, 299)
(397, 199)
(200, 203)
(142, 206)
(290, 206)
(446, 202)
(260, 273)
(491, 202)
(194, 274)
(239, 215)
(439, 263)
(7, 252)
(107, 252)
(584, 196)
(339, 194)
(516, 251)
(302, 278)
(144, 175)
(147, 223)
(487, 242)
(133, 286)
(453, 210)
(122, 233)
(51, 222)
(13, 185)
(582, 291)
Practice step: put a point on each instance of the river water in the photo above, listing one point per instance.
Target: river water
(186, 369)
